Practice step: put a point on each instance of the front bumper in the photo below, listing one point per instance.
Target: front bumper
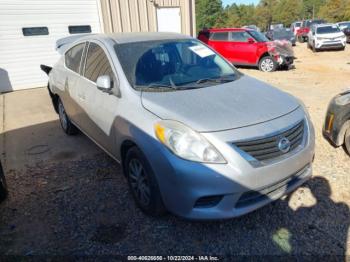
(220, 191)
(330, 44)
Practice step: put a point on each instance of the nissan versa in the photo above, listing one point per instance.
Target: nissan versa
(194, 136)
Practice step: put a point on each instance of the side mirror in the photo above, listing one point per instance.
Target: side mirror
(104, 83)
(251, 41)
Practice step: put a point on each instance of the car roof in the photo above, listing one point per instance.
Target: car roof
(229, 29)
(122, 38)
(324, 25)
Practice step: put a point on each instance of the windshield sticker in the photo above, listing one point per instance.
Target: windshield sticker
(202, 51)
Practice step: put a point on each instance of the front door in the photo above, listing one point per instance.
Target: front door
(100, 108)
(245, 52)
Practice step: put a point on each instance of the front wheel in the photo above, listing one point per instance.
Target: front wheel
(314, 49)
(267, 64)
(142, 183)
(68, 127)
(3, 185)
(347, 141)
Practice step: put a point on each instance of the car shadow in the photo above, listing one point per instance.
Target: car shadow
(81, 205)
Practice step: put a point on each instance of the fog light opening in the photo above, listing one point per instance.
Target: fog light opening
(208, 201)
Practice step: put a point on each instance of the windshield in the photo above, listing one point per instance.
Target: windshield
(283, 34)
(328, 29)
(258, 36)
(173, 64)
(309, 23)
(344, 25)
(298, 24)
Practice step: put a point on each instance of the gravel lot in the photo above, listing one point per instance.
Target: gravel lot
(80, 205)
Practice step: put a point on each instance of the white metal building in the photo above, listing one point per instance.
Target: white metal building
(29, 29)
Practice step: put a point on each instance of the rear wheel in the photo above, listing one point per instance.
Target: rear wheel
(3, 185)
(142, 183)
(267, 64)
(68, 127)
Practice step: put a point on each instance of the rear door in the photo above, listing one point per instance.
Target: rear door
(246, 53)
(220, 42)
(100, 108)
(70, 95)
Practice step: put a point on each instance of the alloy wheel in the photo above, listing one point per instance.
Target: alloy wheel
(139, 182)
(267, 65)
(63, 116)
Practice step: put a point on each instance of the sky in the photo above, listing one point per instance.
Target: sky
(228, 2)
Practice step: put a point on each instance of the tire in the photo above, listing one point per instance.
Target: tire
(68, 127)
(347, 142)
(267, 64)
(314, 49)
(143, 183)
(3, 185)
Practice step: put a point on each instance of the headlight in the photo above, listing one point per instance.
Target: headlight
(186, 143)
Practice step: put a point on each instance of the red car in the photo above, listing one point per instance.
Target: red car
(244, 46)
(305, 29)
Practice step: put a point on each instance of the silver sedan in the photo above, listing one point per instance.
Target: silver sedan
(194, 135)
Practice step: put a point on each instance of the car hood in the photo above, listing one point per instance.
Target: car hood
(240, 103)
(331, 35)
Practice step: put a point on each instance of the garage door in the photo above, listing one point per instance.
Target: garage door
(28, 32)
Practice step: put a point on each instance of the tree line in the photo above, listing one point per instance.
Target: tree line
(211, 13)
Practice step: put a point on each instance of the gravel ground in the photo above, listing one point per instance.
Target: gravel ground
(83, 207)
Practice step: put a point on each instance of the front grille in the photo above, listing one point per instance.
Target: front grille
(253, 197)
(267, 148)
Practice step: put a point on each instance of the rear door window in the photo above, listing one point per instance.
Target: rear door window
(219, 36)
(73, 57)
(97, 63)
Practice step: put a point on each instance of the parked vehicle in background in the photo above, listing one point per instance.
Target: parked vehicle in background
(276, 26)
(336, 128)
(282, 34)
(295, 27)
(3, 185)
(326, 36)
(303, 32)
(254, 27)
(247, 47)
(345, 27)
(193, 135)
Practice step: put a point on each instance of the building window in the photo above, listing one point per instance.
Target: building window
(79, 29)
(31, 31)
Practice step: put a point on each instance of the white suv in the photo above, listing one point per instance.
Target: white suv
(326, 36)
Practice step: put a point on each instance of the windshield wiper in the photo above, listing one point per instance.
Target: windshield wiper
(219, 80)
